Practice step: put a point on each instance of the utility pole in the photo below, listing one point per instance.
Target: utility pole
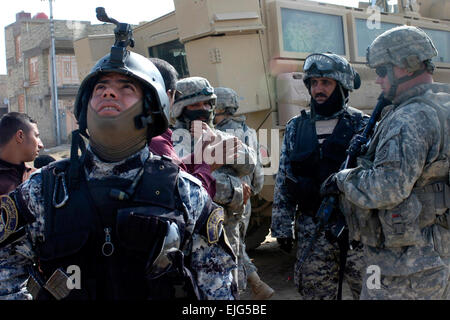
(54, 82)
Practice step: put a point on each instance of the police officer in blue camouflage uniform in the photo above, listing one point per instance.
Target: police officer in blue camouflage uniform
(397, 200)
(131, 223)
(225, 120)
(314, 146)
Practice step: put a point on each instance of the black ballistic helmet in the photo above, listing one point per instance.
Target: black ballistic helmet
(120, 60)
(330, 65)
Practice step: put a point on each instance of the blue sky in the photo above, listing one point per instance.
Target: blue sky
(131, 11)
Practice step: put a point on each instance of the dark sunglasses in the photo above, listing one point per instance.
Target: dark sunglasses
(381, 71)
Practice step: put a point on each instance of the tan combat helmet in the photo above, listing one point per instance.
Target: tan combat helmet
(227, 100)
(192, 90)
(407, 47)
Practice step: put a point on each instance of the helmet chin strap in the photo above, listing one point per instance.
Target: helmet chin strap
(395, 82)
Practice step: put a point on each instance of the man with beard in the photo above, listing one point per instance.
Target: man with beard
(314, 146)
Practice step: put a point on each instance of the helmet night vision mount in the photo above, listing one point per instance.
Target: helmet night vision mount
(124, 37)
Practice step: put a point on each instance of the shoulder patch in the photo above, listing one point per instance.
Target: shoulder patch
(214, 225)
(9, 217)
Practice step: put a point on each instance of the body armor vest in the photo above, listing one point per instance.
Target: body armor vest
(114, 242)
(312, 162)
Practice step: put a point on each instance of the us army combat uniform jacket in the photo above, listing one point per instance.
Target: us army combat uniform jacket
(397, 199)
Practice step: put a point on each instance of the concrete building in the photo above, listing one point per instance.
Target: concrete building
(4, 102)
(28, 60)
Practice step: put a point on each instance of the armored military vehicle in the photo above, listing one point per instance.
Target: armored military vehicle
(257, 47)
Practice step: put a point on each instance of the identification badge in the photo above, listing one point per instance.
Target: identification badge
(214, 225)
(9, 217)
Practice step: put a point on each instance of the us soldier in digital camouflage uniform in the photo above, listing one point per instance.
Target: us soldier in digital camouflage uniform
(134, 225)
(397, 199)
(314, 146)
(195, 106)
(226, 105)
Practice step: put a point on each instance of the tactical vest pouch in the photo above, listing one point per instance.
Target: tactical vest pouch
(370, 227)
(69, 227)
(351, 219)
(435, 199)
(432, 172)
(401, 224)
(444, 220)
(139, 230)
(441, 237)
(62, 245)
(305, 156)
(304, 192)
(54, 288)
(363, 224)
(145, 230)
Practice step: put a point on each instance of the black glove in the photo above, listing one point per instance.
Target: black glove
(285, 244)
(329, 186)
(357, 146)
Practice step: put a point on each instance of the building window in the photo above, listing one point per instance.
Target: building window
(33, 70)
(366, 36)
(174, 53)
(305, 31)
(66, 70)
(18, 49)
(67, 66)
(441, 40)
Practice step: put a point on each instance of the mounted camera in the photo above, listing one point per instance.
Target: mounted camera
(124, 37)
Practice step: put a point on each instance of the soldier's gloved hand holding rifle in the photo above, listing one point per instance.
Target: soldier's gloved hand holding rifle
(356, 148)
(329, 186)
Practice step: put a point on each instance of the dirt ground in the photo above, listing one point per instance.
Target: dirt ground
(275, 267)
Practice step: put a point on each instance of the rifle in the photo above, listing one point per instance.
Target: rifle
(329, 203)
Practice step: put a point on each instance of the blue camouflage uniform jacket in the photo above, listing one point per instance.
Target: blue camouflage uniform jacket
(284, 208)
(210, 263)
